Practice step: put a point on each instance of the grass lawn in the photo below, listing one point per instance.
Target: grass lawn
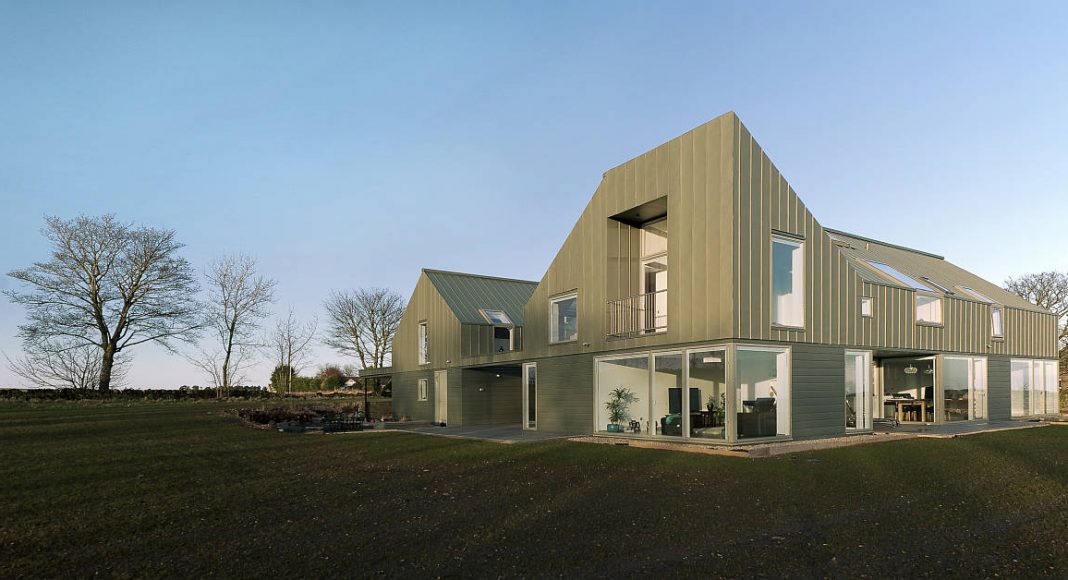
(175, 489)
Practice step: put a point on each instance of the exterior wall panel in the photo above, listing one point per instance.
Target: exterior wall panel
(818, 391)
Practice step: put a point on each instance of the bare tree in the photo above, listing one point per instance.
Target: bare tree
(109, 285)
(238, 299)
(363, 323)
(288, 343)
(64, 367)
(1050, 291)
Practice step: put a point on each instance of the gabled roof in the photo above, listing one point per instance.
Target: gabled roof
(467, 293)
(919, 265)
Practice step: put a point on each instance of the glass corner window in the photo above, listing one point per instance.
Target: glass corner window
(563, 318)
(787, 282)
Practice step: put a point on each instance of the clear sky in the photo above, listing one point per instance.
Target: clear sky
(349, 144)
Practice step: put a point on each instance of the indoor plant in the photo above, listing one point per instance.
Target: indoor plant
(618, 406)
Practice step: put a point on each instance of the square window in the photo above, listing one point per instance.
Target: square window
(866, 306)
(928, 309)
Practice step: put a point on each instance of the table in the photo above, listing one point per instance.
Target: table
(923, 408)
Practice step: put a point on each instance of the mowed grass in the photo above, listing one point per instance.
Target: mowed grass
(177, 490)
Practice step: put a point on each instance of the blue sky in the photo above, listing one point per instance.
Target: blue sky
(349, 144)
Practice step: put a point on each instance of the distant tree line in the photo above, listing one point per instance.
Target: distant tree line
(109, 286)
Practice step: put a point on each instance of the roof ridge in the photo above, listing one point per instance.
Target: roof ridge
(882, 243)
(483, 276)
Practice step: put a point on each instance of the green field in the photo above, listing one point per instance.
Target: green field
(176, 489)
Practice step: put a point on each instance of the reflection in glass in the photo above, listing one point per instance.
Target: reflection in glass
(1020, 387)
(667, 395)
(623, 395)
(955, 380)
(763, 394)
(708, 389)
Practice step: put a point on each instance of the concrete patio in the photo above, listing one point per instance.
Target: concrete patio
(495, 433)
(948, 430)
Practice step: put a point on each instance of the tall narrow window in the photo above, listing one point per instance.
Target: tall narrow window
(654, 276)
(424, 344)
(996, 327)
(787, 282)
(563, 318)
(422, 389)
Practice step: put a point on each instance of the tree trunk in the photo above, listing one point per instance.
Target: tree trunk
(106, 364)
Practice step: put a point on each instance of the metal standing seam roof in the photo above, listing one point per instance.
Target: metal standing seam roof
(918, 265)
(467, 293)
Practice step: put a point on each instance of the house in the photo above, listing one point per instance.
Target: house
(697, 298)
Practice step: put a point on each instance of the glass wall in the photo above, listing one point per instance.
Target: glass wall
(909, 389)
(956, 380)
(1038, 388)
(1021, 387)
(763, 393)
(1052, 393)
(858, 390)
(623, 394)
(667, 395)
(708, 388)
(964, 388)
(979, 400)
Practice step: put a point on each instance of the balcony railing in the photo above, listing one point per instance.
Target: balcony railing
(637, 315)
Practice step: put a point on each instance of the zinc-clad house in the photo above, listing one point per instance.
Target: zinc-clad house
(697, 292)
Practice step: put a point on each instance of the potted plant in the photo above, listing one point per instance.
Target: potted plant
(618, 406)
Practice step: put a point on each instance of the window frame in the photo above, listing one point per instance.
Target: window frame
(798, 282)
(422, 390)
(488, 315)
(916, 308)
(423, 343)
(553, 322)
(997, 312)
(870, 302)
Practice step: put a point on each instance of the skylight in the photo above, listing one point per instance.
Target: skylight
(896, 275)
(496, 317)
(976, 295)
(937, 285)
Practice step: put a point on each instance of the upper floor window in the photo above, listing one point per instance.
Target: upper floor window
(424, 343)
(866, 306)
(996, 324)
(653, 283)
(787, 281)
(563, 318)
(928, 308)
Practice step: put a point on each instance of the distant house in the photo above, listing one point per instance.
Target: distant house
(698, 283)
